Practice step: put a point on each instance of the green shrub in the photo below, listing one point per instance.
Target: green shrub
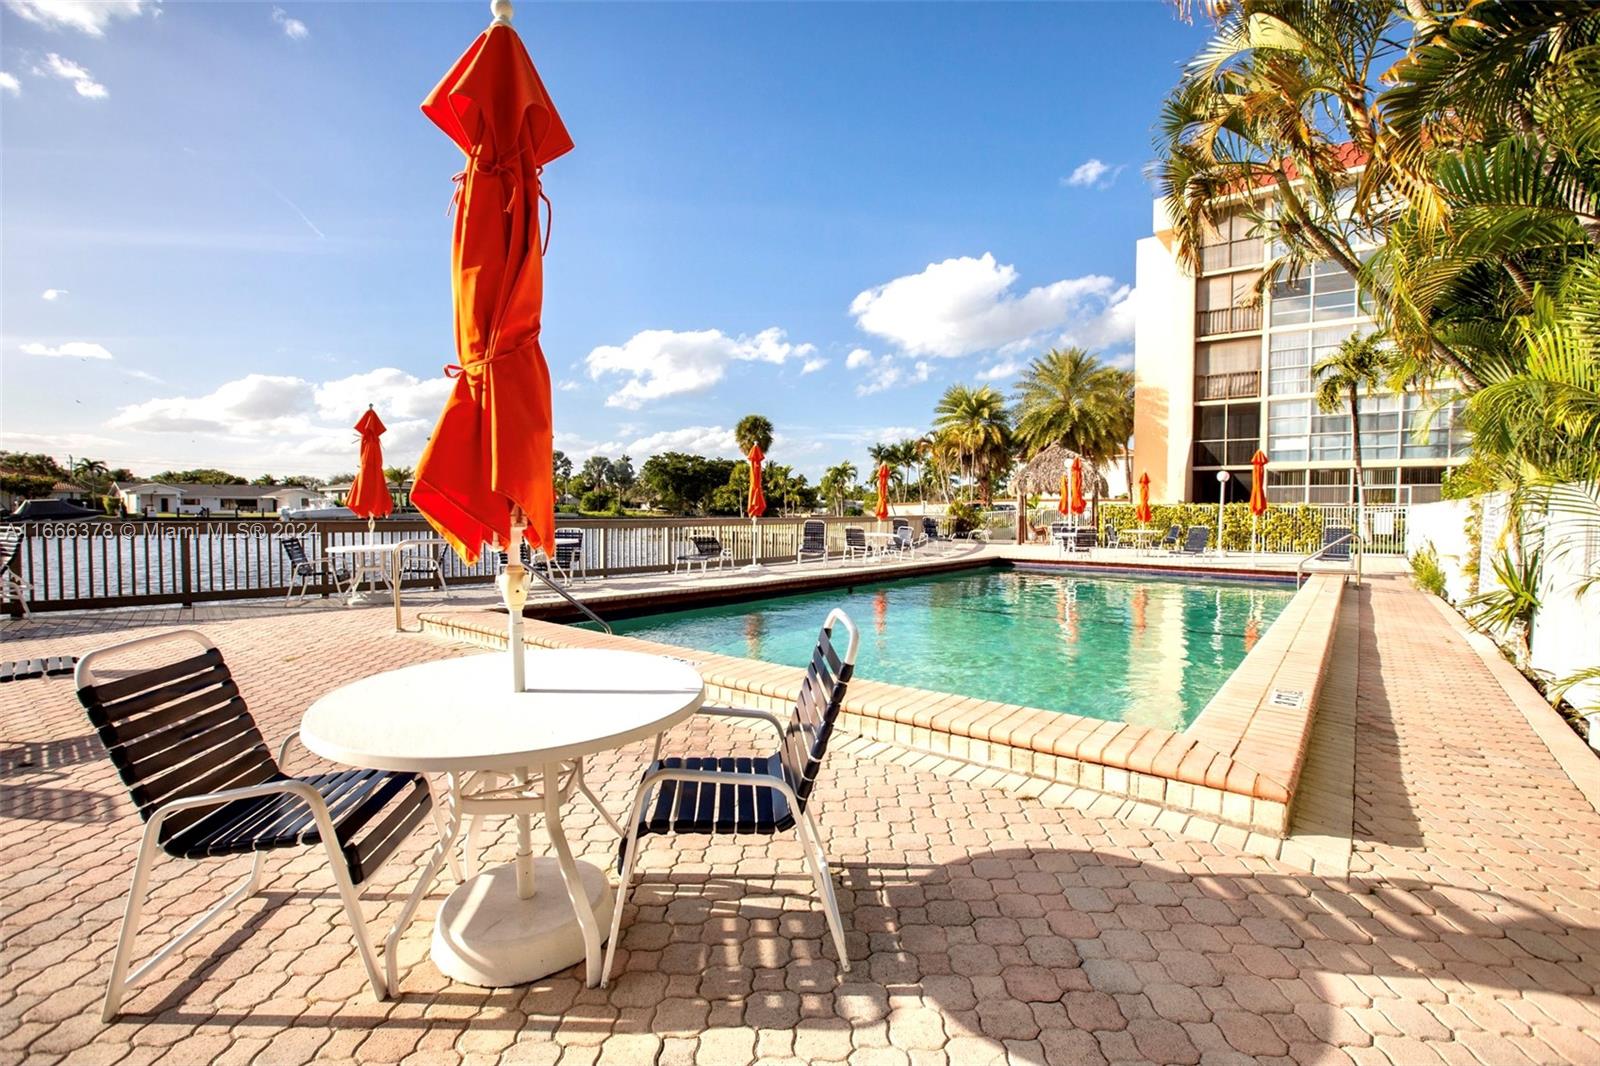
(963, 516)
(1282, 528)
(596, 500)
(1426, 571)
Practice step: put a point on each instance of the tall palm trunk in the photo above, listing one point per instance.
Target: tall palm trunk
(1361, 478)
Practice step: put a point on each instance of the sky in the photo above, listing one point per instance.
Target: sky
(224, 227)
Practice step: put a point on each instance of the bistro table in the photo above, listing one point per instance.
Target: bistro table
(371, 560)
(521, 921)
(1142, 536)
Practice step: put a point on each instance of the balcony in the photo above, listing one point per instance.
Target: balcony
(1239, 385)
(1227, 320)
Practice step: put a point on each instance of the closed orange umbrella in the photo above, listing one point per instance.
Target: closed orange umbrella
(1078, 502)
(487, 468)
(369, 493)
(756, 505)
(1258, 483)
(1143, 513)
(1065, 507)
(883, 492)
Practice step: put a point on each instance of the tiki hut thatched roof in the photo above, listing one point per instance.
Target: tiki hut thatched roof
(1043, 473)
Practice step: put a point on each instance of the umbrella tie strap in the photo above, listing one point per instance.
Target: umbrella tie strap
(479, 366)
(502, 167)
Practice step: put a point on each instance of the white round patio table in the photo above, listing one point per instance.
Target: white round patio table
(514, 923)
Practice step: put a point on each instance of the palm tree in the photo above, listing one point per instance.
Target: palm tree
(837, 481)
(90, 473)
(1358, 366)
(977, 429)
(1069, 397)
(753, 430)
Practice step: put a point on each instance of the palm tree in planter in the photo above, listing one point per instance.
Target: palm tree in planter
(1357, 367)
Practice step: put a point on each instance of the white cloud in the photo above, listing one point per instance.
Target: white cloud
(887, 372)
(86, 16)
(1087, 174)
(52, 294)
(67, 70)
(10, 84)
(396, 394)
(858, 358)
(69, 350)
(293, 28)
(999, 371)
(962, 306)
(241, 405)
(143, 375)
(570, 386)
(811, 366)
(663, 362)
(697, 440)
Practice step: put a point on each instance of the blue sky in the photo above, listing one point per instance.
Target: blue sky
(225, 231)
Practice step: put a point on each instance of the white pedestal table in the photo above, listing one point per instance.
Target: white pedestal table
(514, 923)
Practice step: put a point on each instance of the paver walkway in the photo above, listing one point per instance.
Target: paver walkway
(984, 926)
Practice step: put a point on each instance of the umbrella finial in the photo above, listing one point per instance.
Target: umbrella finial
(501, 10)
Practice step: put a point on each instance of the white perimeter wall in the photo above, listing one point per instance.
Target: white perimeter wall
(1566, 630)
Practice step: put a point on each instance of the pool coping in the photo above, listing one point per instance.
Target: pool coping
(1239, 763)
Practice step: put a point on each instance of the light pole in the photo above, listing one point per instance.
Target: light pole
(1222, 501)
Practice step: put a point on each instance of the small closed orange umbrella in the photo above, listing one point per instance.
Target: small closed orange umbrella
(1258, 491)
(369, 493)
(1065, 506)
(883, 492)
(1143, 512)
(1078, 502)
(756, 504)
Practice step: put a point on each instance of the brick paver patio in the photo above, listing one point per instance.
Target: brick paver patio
(985, 925)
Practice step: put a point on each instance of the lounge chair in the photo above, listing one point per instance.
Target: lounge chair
(705, 551)
(1170, 541)
(930, 530)
(1069, 538)
(813, 542)
(201, 775)
(535, 561)
(1113, 538)
(1194, 542)
(911, 536)
(303, 571)
(569, 553)
(1335, 546)
(28, 669)
(12, 586)
(766, 794)
(855, 544)
(425, 566)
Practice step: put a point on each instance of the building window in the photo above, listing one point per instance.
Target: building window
(1292, 355)
(1229, 244)
(1286, 486)
(1223, 305)
(1289, 430)
(1228, 370)
(1323, 293)
(1328, 486)
(1444, 437)
(1226, 434)
(1421, 484)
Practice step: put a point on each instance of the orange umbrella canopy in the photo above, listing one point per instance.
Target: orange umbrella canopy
(1078, 502)
(756, 505)
(1258, 483)
(1064, 495)
(491, 449)
(883, 492)
(1143, 512)
(369, 493)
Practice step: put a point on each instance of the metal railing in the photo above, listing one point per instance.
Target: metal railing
(570, 598)
(1236, 385)
(1217, 320)
(1354, 557)
(112, 563)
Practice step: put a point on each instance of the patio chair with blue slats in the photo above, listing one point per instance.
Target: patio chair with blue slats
(1194, 542)
(704, 550)
(765, 794)
(1170, 541)
(1335, 544)
(425, 566)
(201, 775)
(569, 553)
(813, 542)
(535, 561)
(855, 544)
(303, 571)
(930, 531)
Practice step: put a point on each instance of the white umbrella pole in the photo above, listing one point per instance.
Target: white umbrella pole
(513, 582)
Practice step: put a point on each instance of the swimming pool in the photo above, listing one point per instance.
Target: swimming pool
(1149, 650)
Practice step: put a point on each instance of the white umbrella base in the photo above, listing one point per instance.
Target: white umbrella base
(487, 935)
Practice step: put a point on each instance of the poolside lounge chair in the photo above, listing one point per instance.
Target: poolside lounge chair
(1194, 542)
(930, 530)
(766, 794)
(855, 544)
(704, 550)
(569, 552)
(813, 542)
(427, 566)
(911, 536)
(11, 585)
(201, 775)
(536, 561)
(1170, 541)
(1335, 546)
(1070, 538)
(303, 571)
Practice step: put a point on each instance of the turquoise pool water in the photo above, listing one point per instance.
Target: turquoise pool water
(1136, 649)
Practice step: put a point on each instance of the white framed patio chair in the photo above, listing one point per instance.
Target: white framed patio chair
(198, 769)
(12, 587)
(304, 572)
(855, 544)
(765, 794)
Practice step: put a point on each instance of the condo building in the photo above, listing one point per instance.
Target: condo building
(1219, 374)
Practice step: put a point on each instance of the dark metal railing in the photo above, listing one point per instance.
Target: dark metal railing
(1238, 385)
(1226, 320)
